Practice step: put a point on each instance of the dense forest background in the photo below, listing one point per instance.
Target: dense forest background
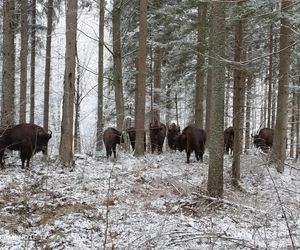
(77, 67)
(73, 67)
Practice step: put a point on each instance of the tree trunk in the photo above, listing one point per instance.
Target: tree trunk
(292, 129)
(140, 88)
(32, 61)
(270, 78)
(8, 71)
(23, 60)
(209, 85)
(227, 120)
(216, 132)
(117, 67)
(48, 63)
(201, 38)
(66, 141)
(248, 111)
(297, 106)
(77, 144)
(169, 102)
(279, 143)
(99, 144)
(238, 101)
(156, 90)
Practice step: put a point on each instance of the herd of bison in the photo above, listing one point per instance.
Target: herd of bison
(30, 138)
(191, 139)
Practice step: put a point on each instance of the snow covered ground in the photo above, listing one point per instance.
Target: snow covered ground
(153, 202)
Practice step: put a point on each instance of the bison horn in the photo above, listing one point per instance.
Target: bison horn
(50, 133)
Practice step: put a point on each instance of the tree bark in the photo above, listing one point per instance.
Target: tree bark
(201, 48)
(156, 89)
(48, 64)
(238, 102)
(23, 61)
(8, 70)
(117, 61)
(140, 88)
(248, 111)
(279, 143)
(32, 61)
(209, 85)
(99, 144)
(66, 141)
(216, 132)
(292, 128)
(77, 144)
(270, 78)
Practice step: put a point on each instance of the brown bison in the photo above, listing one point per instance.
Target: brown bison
(157, 136)
(172, 132)
(228, 139)
(131, 133)
(192, 139)
(264, 139)
(111, 138)
(28, 138)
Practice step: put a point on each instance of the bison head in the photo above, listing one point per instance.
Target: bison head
(42, 141)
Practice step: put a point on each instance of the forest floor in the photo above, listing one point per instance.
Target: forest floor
(152, 202)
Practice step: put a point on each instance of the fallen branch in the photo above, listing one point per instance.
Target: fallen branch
(229, 203)
(291, 166)
(187, 237)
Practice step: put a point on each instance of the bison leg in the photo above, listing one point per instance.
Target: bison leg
(108, 152)
(23, 161)
(197, 154)
(152, 148)
(114, 150)
(188, 154)
(227, 149)
(159, 149)
(1, 158)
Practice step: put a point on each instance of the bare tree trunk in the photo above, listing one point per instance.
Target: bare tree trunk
(270, 77)
(201, 37)
(238, 102)
(117, 68)
(156, 90)
(292, 129)
(176, 109)
(99, 144)
(297, 124)
(274, 96)
(48, 63)
(23, 60)
(8, 71)
(77, 144)
(32, 61)
(209, 87)
(66, 141)
(216, 135)
(278, 150)
(248, 111)
(168, 103)
(140, 88)
(227, 99)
